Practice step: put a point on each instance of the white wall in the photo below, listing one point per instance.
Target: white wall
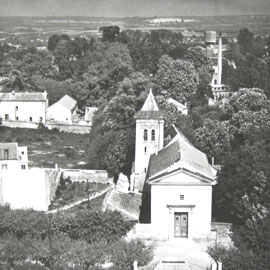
(28, 189)
(165, 200)
(26, 109)
(59, 113)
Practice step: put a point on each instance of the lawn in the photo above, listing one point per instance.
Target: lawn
(49, 147)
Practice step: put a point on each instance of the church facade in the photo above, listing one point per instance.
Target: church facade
(177, 177)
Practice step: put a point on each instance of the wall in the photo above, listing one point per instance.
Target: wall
(73, 128)
(97, 176)
(33, 188)
(26, 109)
(165, 201)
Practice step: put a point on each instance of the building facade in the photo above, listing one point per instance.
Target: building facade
(24, 106)
(178, 179)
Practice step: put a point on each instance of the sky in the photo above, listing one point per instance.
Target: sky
(131, 8)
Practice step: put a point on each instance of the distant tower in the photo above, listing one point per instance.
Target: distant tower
(149, 135)
(219, 59)
(210, 39)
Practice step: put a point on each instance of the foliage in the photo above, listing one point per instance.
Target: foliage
(177, 78)
(110, 33)
(245, 40)
(233, 259)
(123, 254)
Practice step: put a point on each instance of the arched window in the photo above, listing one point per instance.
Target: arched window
(153, 135)
(145, 135)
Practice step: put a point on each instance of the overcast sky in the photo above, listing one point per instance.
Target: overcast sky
(120, 8)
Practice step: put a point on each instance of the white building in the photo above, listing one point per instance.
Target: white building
(21, 187)
(179, 106)
(62, 111)
(24, 106)
(178, 179)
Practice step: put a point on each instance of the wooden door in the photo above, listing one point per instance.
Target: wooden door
(181, 225)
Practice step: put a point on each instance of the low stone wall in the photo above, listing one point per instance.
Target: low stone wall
(96, 176)
(69, 128)
(20, 124)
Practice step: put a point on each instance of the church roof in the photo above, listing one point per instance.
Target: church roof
(149, 109)
(179, 154)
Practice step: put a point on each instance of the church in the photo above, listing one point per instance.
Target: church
(176, 179)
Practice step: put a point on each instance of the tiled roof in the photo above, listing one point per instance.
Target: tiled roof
(182, 155)
(23, 96)
(127, 203)
(12, 151)
(163, 159)
(68, 102)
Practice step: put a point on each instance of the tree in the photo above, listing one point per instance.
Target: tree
(177, 78)
(110, 33)
(245, 40)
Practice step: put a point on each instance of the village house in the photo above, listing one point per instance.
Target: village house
(176, 179)
(24, 106)
(179, 106)
(63, 111)
(21, 186)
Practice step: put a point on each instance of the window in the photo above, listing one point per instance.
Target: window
(145, 170)
(4, 166)
(153, 135)
(145, 149)
(16, 108)
(6, 154)
(6, 116)
(22, 152)
(17, 118)
(23, 167)
(145, 135)
(40, 119)
(182, 197)
(30, 119)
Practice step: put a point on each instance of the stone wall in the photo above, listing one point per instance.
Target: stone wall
(96, 176)
(19, 124)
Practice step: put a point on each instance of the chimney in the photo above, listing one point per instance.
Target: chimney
(13, 93)
(219, 59)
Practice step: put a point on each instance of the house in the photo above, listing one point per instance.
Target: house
(13, 157)
(23, 187)
(89, 114)
(24, 106)
(177, 179)
(179, 106)
(63, 111)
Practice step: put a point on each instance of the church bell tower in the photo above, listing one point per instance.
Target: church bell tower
(149, 135)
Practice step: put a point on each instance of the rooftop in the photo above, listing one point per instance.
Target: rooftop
(68, 102)
(23, 96)
(180, 154)
(149, 109)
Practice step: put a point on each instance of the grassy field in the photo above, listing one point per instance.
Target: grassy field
(49, 147)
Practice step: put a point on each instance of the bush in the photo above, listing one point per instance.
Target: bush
(233, 259)
(123, 254)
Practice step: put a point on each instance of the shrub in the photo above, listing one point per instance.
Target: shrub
(124, 253)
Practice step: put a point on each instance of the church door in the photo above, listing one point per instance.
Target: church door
(181, 225)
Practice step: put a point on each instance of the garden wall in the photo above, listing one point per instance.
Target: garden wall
(96, 176)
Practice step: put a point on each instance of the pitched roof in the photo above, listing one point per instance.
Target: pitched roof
(126, 203)
(23, 96)
(67, 102)
(149, 109)
(177, 104)
(12, 153)
(179, 154)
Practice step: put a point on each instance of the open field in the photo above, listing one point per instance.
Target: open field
(49, 147)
